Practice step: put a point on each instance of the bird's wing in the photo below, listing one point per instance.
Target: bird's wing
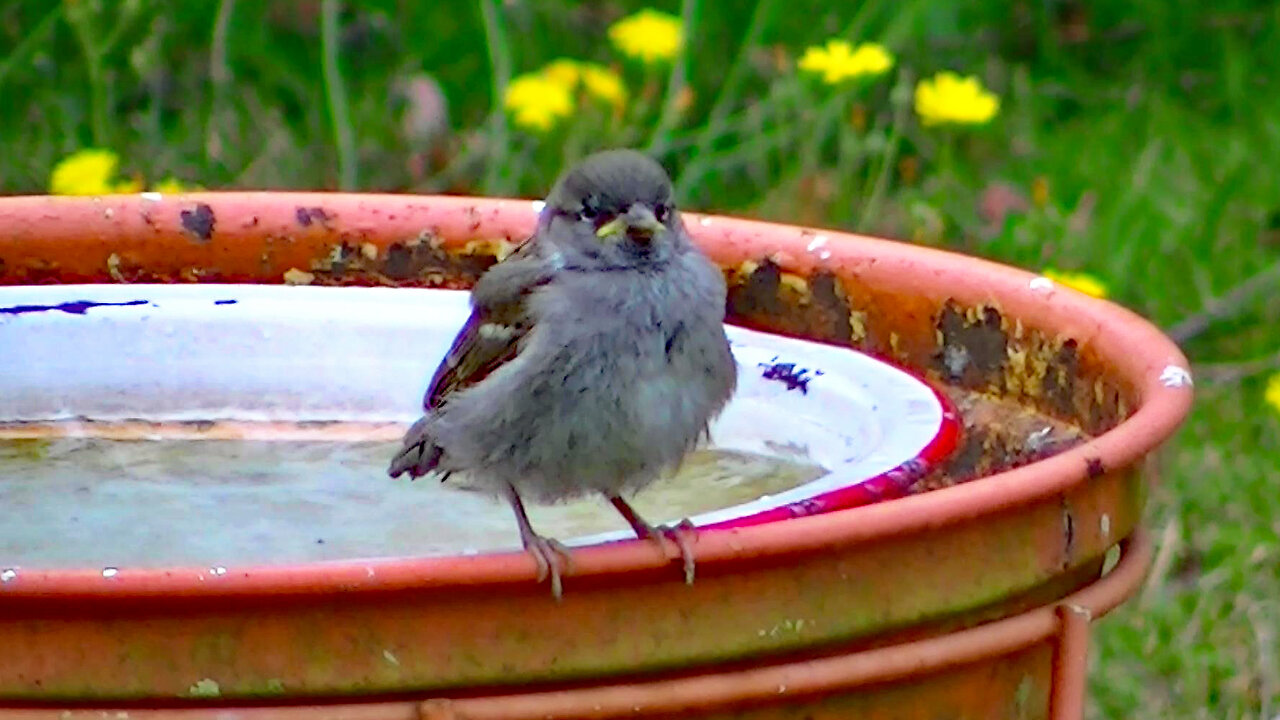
(491, 336)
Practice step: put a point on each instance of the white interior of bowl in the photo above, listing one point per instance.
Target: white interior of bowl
(306, 354)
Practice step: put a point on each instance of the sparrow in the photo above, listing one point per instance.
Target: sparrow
(593, 360)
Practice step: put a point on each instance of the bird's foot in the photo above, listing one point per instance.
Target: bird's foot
(683, 534)
(549, 554)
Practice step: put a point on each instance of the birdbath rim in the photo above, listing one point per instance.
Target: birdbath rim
(1134, 349)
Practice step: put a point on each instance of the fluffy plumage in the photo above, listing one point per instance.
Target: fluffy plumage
(593, 359)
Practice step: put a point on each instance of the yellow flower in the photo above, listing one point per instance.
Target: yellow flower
(649, 36)
(1272, 393)
(85, 172)
(132, 185)
(949, 98)
(1081, 282)
(172, 185)
(839, 61)
(537, 102)
(599, 81)
(565, 71)
(1040, 191)
(605, 84)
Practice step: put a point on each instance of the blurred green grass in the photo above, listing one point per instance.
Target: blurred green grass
(1149, 131)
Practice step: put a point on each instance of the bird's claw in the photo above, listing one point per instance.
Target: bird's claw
(547, 553)
(683, 534)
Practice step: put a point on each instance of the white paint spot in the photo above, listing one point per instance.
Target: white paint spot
(151, 195)
(8, 574)
(391, 658)
(1104, 526)
(538, 205)
(704, 222)
(108, 213)
(1040, 283)
(1077, 609)
(817, 242)
(1174, 376)
(218, 571)
(110, 572)
(1036, 440)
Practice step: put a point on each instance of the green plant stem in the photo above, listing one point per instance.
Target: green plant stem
(219, 78)
(947, 154)
(901, 111)
(219, 70)
(827, 114)
(815, 134)
(33, 39)
(732, 84)
(579, 137)
(460, 165)
(97, 101)
(132, 12)
(1226, 305)
(85, 33)
(727, 97)
(742, 120)
(743, 154)
(500, 67)
(676, 81)
(336, 94)
(747, 152)
(1231, 372)
(747, 123)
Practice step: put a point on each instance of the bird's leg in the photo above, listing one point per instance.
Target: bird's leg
(679, 533)
(547, 552)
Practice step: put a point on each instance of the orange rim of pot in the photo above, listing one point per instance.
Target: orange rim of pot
(1066, 621)
(82, 231)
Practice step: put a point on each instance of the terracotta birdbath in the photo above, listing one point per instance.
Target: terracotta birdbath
(950, 450)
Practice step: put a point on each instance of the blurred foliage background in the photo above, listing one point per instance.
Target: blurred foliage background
(1136, 143)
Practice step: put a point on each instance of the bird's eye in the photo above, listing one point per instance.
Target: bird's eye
(662, 212)
(590, 208)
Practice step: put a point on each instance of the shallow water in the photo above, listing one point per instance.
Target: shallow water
(197, 355)
(100, 503)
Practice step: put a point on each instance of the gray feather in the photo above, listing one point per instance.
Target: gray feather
(613, 353)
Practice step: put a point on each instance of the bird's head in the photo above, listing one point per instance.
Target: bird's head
(614, 208)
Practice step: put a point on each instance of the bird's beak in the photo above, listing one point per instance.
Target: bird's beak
(638, 222)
